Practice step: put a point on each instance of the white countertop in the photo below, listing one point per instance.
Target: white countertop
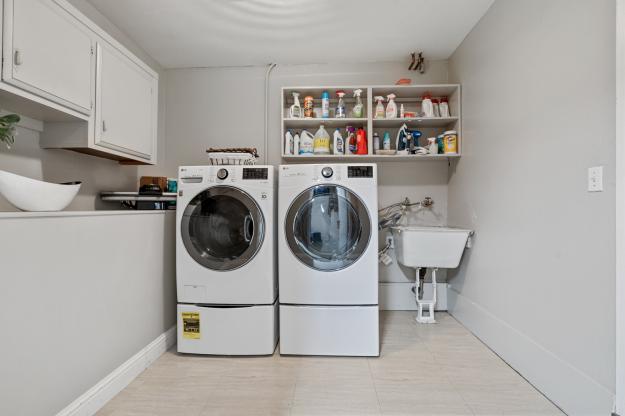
(18, 214)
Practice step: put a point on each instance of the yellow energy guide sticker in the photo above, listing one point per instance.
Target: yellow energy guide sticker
(191, 325)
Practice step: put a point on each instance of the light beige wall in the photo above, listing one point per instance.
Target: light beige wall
(538, 81)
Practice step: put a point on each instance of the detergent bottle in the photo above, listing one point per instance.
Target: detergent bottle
(386, 141)
(350, 142)
(379, 108)
(401, 141)
(288, 143)
(361, 142)
(321, 144)
(306, 143)
(339, 143)
(296, 144)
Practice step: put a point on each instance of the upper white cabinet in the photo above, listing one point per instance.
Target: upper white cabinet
(48, 52)
(125, 104)
(94, 94)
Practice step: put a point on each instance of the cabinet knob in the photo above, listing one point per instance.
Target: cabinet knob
(17, 57)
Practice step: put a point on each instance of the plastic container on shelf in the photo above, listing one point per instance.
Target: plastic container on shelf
(321, 143)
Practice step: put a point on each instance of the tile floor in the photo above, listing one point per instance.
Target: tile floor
(423, 370)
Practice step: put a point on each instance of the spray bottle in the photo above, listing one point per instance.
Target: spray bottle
(340, 107)
(391, 107)
(358, 109)
(379, 108)
(295, 111)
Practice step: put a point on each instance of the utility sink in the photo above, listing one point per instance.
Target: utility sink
(430, 247)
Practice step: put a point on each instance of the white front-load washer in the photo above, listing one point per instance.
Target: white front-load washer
(226, 260)
(328, 262)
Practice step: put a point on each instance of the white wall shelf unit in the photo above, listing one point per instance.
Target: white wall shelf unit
(408, 95)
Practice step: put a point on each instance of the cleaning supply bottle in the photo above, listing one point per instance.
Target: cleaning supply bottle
(436, 107)
(340, 107)
(376, 142)
(440, 143)
(288, 143)
(432, 145)
(361, 142)
(325, 105)
(379, 108)
(386, 142)
(339, 143)
(295, 111)
(350, 142)
(358, 109)
(450, 140)
(401, 111)
(296, 144)
(443, 107)
(306, 143)
(321, 144)
(401, 140)
(416, 134)
(391, 107)
(427, 108)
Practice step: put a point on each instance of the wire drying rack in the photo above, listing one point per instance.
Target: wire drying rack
(232, 156)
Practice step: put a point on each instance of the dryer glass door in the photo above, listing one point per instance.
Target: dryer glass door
(328, 227)
(222, 228)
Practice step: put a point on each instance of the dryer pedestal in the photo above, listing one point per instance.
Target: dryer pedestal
(227, 329)
(329, 330)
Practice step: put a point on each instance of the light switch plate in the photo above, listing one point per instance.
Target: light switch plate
(595, 179)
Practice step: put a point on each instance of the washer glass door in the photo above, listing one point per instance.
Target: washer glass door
(222, 228)
(327, 227)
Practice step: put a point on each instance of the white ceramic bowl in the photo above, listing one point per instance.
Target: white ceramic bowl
(33, 195)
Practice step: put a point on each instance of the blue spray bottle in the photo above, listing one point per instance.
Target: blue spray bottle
(415, 140)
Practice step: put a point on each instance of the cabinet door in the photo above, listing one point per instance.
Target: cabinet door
(48, 52)
(125, 104)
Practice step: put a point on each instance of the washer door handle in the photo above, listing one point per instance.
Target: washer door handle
(248, 228)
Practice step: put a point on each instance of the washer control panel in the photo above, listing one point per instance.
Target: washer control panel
(222, 174)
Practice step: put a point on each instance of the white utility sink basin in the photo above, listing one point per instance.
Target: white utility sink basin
(430, 247)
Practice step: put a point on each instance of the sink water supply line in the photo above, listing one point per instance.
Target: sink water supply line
(391, 215)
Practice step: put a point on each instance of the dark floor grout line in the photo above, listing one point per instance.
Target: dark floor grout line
(377, 397)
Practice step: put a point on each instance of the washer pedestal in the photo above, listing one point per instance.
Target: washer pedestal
(227, 329)
(329, 330)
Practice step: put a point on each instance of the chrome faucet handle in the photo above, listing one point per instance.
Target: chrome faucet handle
(427, 202)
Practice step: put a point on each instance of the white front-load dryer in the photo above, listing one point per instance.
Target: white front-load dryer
(226, 260)
(328, 263)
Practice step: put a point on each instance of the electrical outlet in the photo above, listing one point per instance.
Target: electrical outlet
(390, 242)
(595, 179)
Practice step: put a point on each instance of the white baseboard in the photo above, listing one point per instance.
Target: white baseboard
(400, 297)
(96, 397)
(568, 387)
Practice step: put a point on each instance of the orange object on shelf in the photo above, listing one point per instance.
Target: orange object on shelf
(403, 81)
